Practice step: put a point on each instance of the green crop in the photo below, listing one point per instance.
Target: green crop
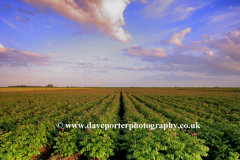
(28, 123)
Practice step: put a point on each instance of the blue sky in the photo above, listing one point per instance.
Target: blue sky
(121, 43)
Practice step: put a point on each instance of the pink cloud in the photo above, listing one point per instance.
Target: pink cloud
(2, 49)
(228, 46)
(139, 51)
(105, 15)
(177, 38)
(213, 56)
(15, 58)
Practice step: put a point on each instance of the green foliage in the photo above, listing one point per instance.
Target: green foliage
(233, 156)
(66, 143)
(99, 143)
(28, 122)
(159, 144)
(23, 143)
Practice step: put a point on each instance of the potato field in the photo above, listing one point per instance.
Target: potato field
(29, 130)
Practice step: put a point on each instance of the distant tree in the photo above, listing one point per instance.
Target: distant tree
(49, 85)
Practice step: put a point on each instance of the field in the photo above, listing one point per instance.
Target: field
(28, 124)
(17, 89)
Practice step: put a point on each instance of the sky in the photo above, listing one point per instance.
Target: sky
(120, 43)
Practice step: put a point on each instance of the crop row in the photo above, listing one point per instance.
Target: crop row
(158, 144)
(22, 141)
(28, 123)
(222, 139)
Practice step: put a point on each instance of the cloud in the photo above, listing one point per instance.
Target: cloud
(105, 15)
(228, 46)
(63, 62)
(212, 56)
(137, 50)
(66, 62)
(2, 49)
(15, 58)
(204, 36)
(53, 55)
(102, 71)
(172, 9)
(53, 72)
(177, 77)
(85, 66)
(34, 70)
(142, 1)
(100, 57)
(89, 77)
(184, 11)
(157, 8)
(25, 20)
(177, 37)
(223, 19)
(135, 68)
(9, 24)
(224, 16)
(23, 11)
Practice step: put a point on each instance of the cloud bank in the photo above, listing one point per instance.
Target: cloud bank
(212, 56)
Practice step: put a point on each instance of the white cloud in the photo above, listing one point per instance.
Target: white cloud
(2, 49)
(105, 15)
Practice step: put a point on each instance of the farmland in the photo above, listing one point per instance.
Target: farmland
(17, 89)
(28, 123)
